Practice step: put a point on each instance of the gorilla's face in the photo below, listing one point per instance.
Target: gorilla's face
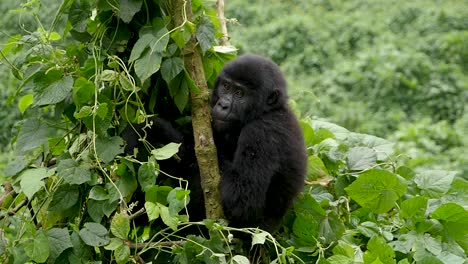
(246, 89)
(229, 103)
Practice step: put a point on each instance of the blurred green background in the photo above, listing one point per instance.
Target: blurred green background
(395, 69)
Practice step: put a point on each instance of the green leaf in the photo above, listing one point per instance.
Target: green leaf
(38, 247)
(182, 36)
(73, 172)
(33, 134)
(454, 218)
(59, 241)
(331, 228)
(259, 238)
(165, 152)
(308, 133)
(31, 180)
(57, 91)
(98, 193)
(122, 254)
(171, 67)
(94, 234)
(239, 259)
(64, 197)
(178, 199)
(142, 43)
(152, 210)
(315, 168)
(205, 33)
(361, 158)
(179, 90)
(168, 219)
(149, 63)
(414, 208)
(83, 91)
(120, 226)
(128, 8)
(157, 194)
(84, 111)
(305, 227)
(79, 13)
(377, 190)
(147, 175)
(378, 250)
(108, 147)
(434, 183)
(25, 102)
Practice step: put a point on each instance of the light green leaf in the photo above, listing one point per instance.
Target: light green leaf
(239, 259)
(165, 152)
(259, 238)
(120, 226)
(147, 175)
(178, 199)
(454, 218)
(54, 92)
(361, 158)
(83, 91)
(73, 172)
(170, 221)
(152, 210)
(31, 180)
(38, 248)
(378, 250)
(94, 234)
(84, 111)
(122, 254)
(434, 183)
(377, 190)
(414, 208)
(25, 102)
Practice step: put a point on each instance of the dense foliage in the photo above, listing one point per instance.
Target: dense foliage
(375, 67)
(73, 196)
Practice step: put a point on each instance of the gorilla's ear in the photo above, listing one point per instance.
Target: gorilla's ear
(273, 97)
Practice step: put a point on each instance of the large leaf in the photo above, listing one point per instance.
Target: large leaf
(205, 33)
(52, 93)
(166, 152)
(108, 147)
(64, 197)
(59, 240)
(454, 218)
(147, 174)
(361, 158)
(149, 63)
(94, 234)
(128, 8)
(33, 134)
(38, 248)
(73, 172)
(434, 183)
(31, 180)
(377, 190)
(120, 226)
(171, 67)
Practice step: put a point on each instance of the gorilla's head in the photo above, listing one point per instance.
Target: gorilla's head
(245, 89)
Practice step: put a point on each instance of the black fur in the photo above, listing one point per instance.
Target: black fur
(260, 143)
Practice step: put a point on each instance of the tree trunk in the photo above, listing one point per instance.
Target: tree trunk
(224, 41)
(205, 149)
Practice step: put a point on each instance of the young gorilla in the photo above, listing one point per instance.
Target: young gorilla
(260, 144)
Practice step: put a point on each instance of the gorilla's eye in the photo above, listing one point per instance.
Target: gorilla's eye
(239, 93)
(227, 86)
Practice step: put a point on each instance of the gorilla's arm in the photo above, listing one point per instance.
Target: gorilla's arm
(245, 180)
